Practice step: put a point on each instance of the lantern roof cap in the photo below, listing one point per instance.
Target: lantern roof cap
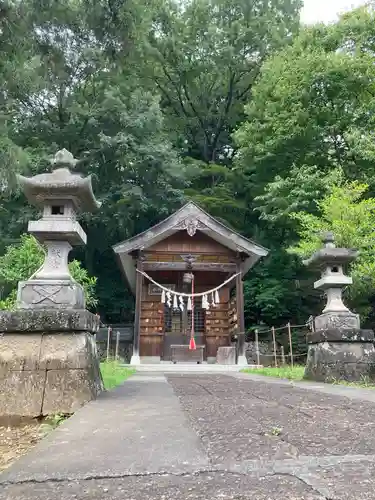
(60, 184)
(330, 255)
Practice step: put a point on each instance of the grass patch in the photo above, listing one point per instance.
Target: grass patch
(114, 374)
(365, 383)
(51, 422)
(297, 372)
(286, 372)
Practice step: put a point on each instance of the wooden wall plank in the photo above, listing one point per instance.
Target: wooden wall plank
(181, 242)
(181, 266)
(151, 345)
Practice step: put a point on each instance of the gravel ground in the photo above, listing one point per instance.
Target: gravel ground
(16, 441)
(239, 419)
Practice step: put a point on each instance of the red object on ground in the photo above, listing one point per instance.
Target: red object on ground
(192, 345)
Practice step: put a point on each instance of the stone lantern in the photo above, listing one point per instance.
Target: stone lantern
(48, 356)
(331, 261)
(337, 347)
(61, 195)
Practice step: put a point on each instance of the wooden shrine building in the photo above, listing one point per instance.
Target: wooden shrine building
(189, 242)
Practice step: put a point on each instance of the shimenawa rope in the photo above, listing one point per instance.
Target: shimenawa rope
(190, 295)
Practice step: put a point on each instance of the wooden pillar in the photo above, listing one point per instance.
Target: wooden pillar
(135, 360)
(240, 318)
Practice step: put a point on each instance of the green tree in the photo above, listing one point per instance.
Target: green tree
(313, 106)
(279, 290)
(203, 57)
(309, 125)
(148, 94)
(351, 217)
(14, 52)
(72, 88)
(297, 191)
(22, 260)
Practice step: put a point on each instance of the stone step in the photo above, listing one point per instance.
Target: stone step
(188, 368)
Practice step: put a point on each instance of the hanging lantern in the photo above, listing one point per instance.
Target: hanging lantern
(187, 278)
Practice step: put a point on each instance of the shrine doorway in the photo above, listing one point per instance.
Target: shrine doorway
(177, 329)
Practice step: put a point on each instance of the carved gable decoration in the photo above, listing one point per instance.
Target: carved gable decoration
(191, 224)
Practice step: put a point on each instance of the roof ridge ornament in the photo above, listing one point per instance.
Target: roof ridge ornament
(328, 239)
(63, 159)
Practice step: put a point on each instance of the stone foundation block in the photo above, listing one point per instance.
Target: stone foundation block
(21, 393)
(226, 356)
(67, 351)
(338, 335)
(350, 361)
(67, 390)
(48, 321)
(20, 353)
(47, 373)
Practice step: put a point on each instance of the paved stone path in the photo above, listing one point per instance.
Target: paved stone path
(188, 437)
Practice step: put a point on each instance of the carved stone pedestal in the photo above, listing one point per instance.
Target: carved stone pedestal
(226, 356)
(337, 320)
(42, 294)
(339, 354)
(48, 362)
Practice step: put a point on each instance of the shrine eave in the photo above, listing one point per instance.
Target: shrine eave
(190, 218)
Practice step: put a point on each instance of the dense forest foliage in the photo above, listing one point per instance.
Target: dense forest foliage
(266, 124)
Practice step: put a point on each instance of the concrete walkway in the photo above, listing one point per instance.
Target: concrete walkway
(207, 436)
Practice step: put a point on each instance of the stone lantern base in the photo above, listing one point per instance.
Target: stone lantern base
(48, 362)
(338, 354)
(56, 294)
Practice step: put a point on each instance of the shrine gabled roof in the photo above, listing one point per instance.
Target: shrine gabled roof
(190, 218)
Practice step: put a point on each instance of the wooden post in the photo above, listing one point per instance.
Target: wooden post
(117, 344)
(240, 318)
(257, 347)
(282, 355)
(290, 344)
(135, 360)
(108, 341)
(274, 344)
